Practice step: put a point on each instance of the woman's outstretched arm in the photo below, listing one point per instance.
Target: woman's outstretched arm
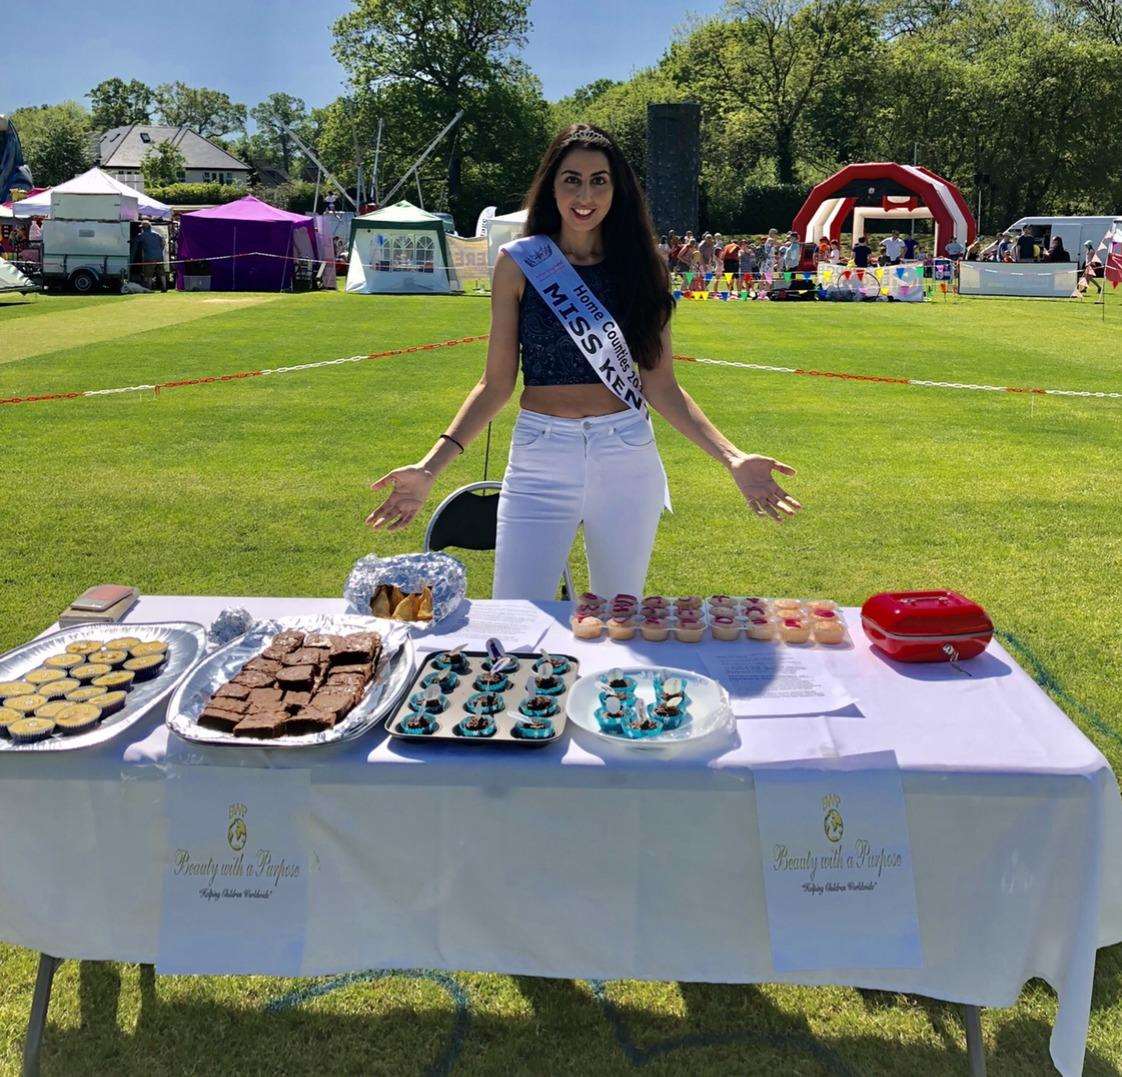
(750, 471)
(412, 484)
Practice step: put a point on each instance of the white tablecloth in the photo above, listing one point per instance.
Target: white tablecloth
(584, 859)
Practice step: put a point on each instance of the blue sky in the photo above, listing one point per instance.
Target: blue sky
(250, 49)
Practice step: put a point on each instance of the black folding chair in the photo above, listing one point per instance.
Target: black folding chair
(468, 518)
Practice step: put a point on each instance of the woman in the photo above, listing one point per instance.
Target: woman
(1057, 252)
(578, 452)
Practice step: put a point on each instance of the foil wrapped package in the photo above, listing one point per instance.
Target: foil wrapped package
(411, 572)
(232, 622)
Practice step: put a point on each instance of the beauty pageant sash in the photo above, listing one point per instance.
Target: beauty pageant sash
(588, 322)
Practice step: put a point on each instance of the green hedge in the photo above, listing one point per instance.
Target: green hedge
(193, 194)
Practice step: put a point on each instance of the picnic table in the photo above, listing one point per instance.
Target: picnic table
(585, 859)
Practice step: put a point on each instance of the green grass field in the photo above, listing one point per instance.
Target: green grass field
(260, 487)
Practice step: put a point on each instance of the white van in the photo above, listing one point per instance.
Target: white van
(1074, 231)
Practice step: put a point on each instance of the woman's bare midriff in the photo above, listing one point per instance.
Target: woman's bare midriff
(571, 401)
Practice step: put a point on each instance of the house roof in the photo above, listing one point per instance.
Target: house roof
(125, 147)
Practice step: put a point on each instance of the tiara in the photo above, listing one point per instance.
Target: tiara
(587, 134)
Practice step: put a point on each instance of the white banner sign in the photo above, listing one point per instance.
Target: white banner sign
(837, 865)
(235, 897)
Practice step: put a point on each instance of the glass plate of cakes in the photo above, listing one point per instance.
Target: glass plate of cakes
(296, 682)
(83, 685)
(649, 707)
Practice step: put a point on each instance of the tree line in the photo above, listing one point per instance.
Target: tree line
(1014, 100)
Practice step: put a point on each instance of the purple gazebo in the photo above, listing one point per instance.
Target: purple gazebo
(248, 245)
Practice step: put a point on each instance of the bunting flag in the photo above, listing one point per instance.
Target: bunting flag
(749, 278)
(768, 276)
(827, 274)
(943, 287)
(689, 280)
(1113, 269)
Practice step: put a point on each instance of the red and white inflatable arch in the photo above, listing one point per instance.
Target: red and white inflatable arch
(887, 190)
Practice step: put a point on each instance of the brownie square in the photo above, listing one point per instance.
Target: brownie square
(232, 691)
(360, 647)
(253, 678)
(265, 665)
(307, 720)
(234, 706)
(334, 702)
(288, 640)
(293, 701)
(346, 682)
(265, 695)
(212, 717)
(297, 678)
(265, 724)
(305, 656)
(365, 670)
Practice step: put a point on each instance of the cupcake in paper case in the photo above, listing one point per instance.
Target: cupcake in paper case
(429, 701)
(485, 703)
(559, 662)
(546, 682)
(491, 682)
(477, 725)
(7, 717)
(671, 712)
(533, 729)
(445, 679)
(667, 685)
(538, 706)
(617, 682)
(145, 666)
(109, 702)
(455, 661)
(612, 712)
(59, 689)
(29, 730)
(418, 724)
(77, 718)
(641, 724)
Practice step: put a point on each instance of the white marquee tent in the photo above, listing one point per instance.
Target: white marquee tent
(398, 249)
(94, 195)
(503, 229)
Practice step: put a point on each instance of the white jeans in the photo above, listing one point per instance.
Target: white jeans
(604, 471)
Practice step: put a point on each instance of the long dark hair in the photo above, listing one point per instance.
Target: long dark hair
(633, 259)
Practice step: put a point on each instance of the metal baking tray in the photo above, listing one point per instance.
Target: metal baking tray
(504, 720)
(186, 644)
(394, 672)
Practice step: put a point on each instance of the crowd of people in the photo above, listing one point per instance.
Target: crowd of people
(1023, 246)
(776, 253)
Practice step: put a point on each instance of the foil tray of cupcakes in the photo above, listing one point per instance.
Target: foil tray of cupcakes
(295, 682)
(647, 707)
(476, 697)
(87, 683)
(692, 618)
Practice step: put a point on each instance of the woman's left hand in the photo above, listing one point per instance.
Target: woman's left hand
(765, 497)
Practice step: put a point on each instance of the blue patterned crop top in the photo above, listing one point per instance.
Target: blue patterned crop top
(549, 356)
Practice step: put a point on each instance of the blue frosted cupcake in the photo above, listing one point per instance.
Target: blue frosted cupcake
(617, 682)
(545, 684)
(508, 664)
(671, 711)
(477, 725)
(491, 682)
(611, 714)
(457, 663)
(672, 685)
(533, 728)
(538, 706)
(640, 724)
(485, 703)
(418, 724)
(561, 665)
(446, 680)
(427, 703)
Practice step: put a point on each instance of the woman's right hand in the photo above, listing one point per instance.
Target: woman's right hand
(411, 486)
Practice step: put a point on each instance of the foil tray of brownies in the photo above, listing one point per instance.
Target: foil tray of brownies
(476, 697)
(296, 682)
